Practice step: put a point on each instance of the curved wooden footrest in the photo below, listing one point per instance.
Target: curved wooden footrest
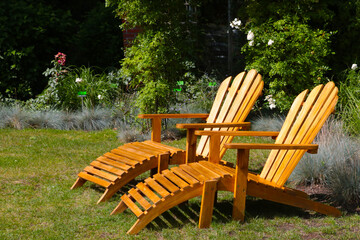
(116, 168)
(178, 184)
(168, 189)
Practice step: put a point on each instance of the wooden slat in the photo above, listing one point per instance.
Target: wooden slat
(108, 168)
(100, 173)
(244, 110)
(205, 171)
(166, 183)
(230, 170)
(140, 199)
(122, 152)
(136, 150)
(238, 80)
(175, 179)
(94, 179)
(192, 172)
(143, 148)
(131, 205)
(313, 127)
(157, 187)
(301, 126)
(170, 148)
(113, 163)
(215, 168)
(188, 178)
(291, 117)
(145, 190)
(121, 159)
(150, 148)
(215, 110)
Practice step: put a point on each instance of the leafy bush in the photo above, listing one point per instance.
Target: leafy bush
(290, 55)
(156, 60)
(66, 85)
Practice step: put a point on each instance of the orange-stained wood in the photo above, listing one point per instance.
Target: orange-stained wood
(207, 203)
(232, 104)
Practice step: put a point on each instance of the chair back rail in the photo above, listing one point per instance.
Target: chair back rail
(303, 122)
(232, 104)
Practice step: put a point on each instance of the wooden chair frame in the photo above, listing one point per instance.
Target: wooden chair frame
(168, 189)
(231, 106)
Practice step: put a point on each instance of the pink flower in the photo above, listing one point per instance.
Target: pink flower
(61, 58)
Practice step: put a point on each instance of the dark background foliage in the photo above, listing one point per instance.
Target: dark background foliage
(32, 32)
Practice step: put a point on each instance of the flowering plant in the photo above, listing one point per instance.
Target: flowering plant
(289, 54)
(60, 58)
(55, 74)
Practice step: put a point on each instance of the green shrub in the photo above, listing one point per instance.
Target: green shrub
(67, 84)
(289, 54)
(156, 60)
(350, 100)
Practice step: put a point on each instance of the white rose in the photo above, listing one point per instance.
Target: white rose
(270, 42)
(99, 96)
(250, 36)
(354, 66)
(78, 80)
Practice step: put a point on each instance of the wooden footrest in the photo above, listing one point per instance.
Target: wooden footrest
(116, 168)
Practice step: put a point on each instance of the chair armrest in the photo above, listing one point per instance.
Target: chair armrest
(175, 115)
(156, 121)
(240, 133)
(311, 148)
(212, 125)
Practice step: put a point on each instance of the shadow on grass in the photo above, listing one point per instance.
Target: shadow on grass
(188, 212)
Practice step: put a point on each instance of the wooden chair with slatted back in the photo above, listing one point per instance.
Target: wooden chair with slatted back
(178, 184)
(233, 102)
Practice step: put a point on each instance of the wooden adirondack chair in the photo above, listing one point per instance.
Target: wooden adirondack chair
(232, 104)
(178, 184)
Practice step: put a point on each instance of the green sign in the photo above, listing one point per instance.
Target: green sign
(82, 93)
(177, 89)
(212, 84)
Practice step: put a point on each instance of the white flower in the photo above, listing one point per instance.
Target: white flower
(250, 36)
(251, 43)
(270, 42)
(268, 97)
(354, 66)
(100, 97)
(236, 23)
(78, 80)
(271, 101)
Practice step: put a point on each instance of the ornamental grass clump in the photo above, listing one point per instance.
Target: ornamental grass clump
(13, 117)
(93, 119)
(336, 165)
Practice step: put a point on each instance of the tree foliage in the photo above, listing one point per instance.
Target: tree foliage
(33, 31)
(290, 55)
(157, 59)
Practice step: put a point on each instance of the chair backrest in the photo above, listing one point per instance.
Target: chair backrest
(232, 104)
(303, 122)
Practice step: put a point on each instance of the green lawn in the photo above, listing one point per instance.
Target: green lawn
(38, 167)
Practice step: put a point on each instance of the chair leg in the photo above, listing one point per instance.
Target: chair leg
(240, 184)
(78, 183)
(207, 203)
(163, 162)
